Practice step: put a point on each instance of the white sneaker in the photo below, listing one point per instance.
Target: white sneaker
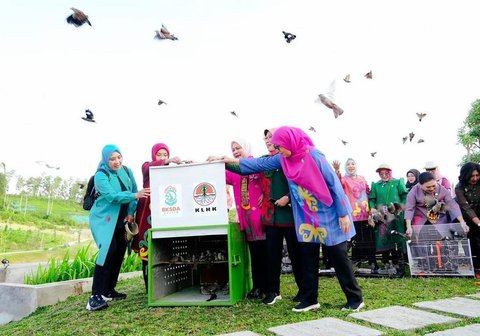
(353, 309)
(303, 307)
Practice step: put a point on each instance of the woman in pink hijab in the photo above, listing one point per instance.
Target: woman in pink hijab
(322, 212)
(160, 157)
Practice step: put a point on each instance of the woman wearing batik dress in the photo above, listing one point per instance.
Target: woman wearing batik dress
(357, 190)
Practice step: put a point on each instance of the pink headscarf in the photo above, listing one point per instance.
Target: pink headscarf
(156, 148)
(300, 167)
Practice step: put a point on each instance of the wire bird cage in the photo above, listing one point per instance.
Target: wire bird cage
(440, 250)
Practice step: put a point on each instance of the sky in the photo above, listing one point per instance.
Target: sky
(231, 56)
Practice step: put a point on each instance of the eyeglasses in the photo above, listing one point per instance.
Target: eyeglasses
(277, 147)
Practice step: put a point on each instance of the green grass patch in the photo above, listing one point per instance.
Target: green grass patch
(18, 240)
(133, 316)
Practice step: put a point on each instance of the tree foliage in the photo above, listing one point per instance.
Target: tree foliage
(469, 134)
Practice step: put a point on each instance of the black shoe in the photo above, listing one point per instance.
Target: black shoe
(304, 306)
(114, 296)
(96, 302)
(271, 298)
(255, 294)
(297, 298)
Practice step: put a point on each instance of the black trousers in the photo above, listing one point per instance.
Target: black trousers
(275, 236)
(338, 256)
(105, 277)
(258, 261)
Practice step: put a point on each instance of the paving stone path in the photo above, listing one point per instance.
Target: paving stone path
(395, 317)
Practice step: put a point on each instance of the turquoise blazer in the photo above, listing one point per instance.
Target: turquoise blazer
(104, 213)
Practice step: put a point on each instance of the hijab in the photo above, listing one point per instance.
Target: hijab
(156, 148)
(107, 152)
(347, 173)
(244, 144)
(272, 131)
(415, 172)
(301, 167)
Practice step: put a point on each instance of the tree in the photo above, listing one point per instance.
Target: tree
(469, 134)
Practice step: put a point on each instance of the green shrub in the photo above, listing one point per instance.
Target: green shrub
(81, 267)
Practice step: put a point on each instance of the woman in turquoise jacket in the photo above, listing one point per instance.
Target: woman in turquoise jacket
(115, 205)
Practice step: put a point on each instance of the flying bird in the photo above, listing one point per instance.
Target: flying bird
(234, 113)
(347, 78)
(5, 262)
(78, 18)
(420, 141)
(51, 167)
(326, 99)
(369, 75)
(411, 135)
(312, 129)
(88, 116)
(81, 185)
(373, 154)
(404, 139)
(160, 102)
(343, 141)
(288, 36)
(164, 34)
(421, 115)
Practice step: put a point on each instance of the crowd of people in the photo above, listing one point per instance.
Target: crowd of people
(293, 194)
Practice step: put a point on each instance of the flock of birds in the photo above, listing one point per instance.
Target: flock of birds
(78, 18)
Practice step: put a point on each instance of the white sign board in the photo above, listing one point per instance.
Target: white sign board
(188, 195)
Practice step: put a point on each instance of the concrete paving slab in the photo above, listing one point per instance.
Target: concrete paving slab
(328, 326)
(456, 305)
(470, 330)
(402, 318)
(241, 333)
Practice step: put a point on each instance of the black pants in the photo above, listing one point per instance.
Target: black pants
(338, 255)
(275, 236)
(105, 277)
(258, 261)
(474, 237)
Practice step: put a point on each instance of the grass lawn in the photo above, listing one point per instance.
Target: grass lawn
(134, 317)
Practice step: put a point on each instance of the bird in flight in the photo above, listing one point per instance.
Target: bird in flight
(81, 185)
(288, 36)
(234, 113)
(343, 141)
(160, 102)
(411, 135)
(88, 116)
(404, 139)
(420, 141)
(52, 167)
(369, 75)
(312, 129)
(164, 34)
(421, 115)
(326, 99)
(347, 78)
(373, 154)
(78, 18)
